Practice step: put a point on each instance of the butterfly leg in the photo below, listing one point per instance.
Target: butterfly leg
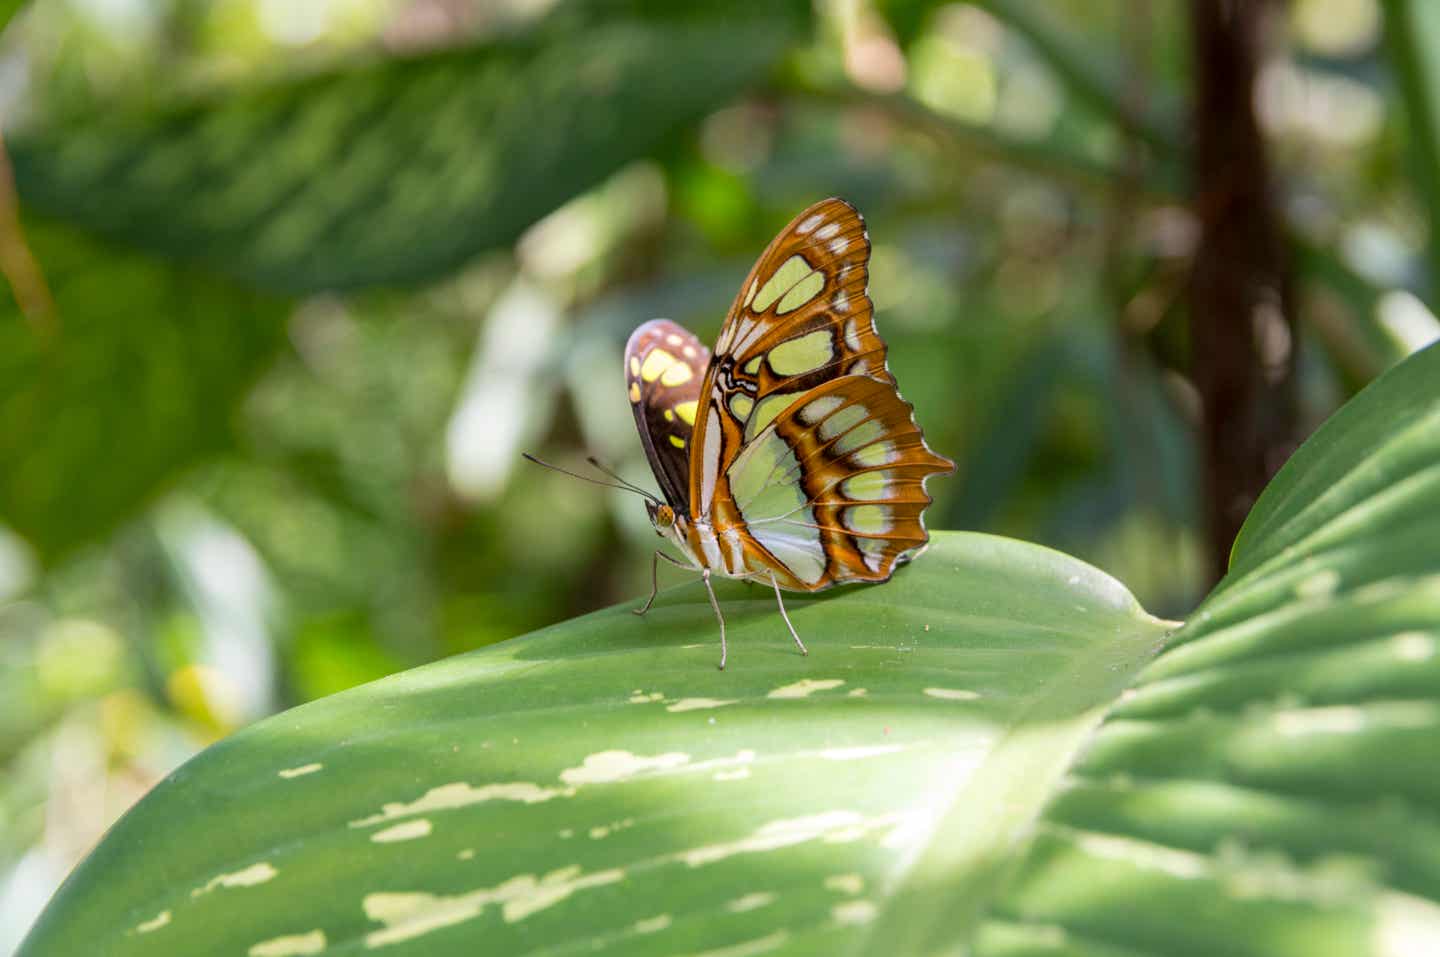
(654, 585)
(655, 580)
(705, 575)
(781, 602)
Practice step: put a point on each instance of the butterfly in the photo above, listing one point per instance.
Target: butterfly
(787, 456)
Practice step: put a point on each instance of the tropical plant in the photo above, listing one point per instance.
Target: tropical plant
(999, 750)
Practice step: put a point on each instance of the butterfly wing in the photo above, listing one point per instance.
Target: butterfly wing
(833, 489)
(803, 323)
(802, 317)
(664, 370)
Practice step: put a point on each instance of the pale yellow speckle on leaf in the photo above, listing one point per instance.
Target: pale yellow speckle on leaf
(293, 945)
(248, 877)
(699, 704)
(154, 923)
(404, 831)
(604, 767)
(407, 915)
(460, 794)
(653, 925)
(851, 913)
(301, 770)
(805, 687)
(750, 948)
(750, 902)
(952, 694)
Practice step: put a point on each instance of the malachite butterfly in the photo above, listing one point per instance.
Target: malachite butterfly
(788, 456)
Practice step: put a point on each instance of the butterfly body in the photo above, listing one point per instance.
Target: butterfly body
(787, 457)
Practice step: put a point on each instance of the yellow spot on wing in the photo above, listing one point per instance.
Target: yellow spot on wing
(677, 374)
(676, 441)
(669, 416)
(803, 354)
(791, 272)
(634, 365)
(803, 291)
(842, 421)
(868, 519)
(880, 453)
(634, 392)
(861, 435)
(867, 486)
(753, 366)
(292, 945)
(766, 410)
(750, 296)
(655, 363)
(686, 411)
(740, 406)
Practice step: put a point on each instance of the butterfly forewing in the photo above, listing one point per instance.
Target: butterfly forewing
(802, 318)
(664, 370)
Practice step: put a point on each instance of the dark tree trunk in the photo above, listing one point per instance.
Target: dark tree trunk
(1242, 317)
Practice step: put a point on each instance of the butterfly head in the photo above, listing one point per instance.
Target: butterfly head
(662, 517)
(668, 524)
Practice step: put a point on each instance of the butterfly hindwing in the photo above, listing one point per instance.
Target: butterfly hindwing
(833, 489)
(664, 369)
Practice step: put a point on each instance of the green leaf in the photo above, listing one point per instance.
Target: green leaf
(143, 362)
(602, 780)
(1275, 769)
(401, 170)
(936, 772)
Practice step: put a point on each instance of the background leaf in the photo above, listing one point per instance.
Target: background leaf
(1412, 30)
(427, 160)
(601, 781)
(146, 362)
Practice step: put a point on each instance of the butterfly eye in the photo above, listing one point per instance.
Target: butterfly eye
(664, 517)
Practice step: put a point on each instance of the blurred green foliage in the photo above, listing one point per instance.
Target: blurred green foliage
(321, 271)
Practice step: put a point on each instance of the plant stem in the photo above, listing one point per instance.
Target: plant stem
(1241, 296)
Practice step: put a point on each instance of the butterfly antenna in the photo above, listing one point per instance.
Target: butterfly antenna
(617, 477)
(622, 485)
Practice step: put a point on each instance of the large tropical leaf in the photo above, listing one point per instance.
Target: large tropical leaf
(1269, 786)
(931, 775)
(601, 780)
(401, 170)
